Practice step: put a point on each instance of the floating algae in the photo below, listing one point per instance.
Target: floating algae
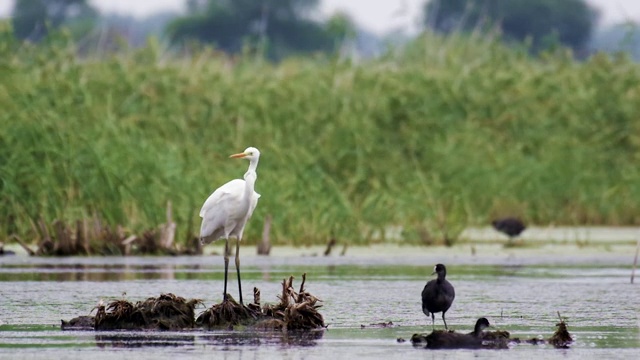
(296, 311)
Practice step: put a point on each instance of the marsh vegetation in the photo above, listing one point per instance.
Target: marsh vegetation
(446, 133)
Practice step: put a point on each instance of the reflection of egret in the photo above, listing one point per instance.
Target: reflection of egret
(438, 295)
(227, 210)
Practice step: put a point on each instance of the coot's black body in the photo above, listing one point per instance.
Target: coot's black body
(438, 295)
(510, 226)
(452, 340)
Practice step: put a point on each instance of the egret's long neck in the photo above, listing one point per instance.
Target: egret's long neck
(253, 165)
(250, 178)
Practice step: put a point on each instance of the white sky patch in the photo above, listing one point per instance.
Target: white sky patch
(379, 16)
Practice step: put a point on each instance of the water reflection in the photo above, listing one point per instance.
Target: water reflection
(127, 340)
(103, 272)
(258, 338)
(219, 339)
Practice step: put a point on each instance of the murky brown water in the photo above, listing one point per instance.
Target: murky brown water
(520, 294)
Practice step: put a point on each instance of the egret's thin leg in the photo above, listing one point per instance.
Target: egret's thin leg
(238, 267)
(226, 267)
(445, 322)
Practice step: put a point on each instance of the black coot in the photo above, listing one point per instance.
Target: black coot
(509, 225)
(438, 295)
(453, 340)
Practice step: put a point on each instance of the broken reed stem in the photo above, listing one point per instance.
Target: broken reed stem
(635, 261)
(330, 245)
(304, 278)
(256, 296)
(21, 243)
(264, 247)
(43, 230)
(168, 230)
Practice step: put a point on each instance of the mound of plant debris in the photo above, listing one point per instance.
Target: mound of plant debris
(166, 312)
(500, 339)
(295, 311)
(561, 339)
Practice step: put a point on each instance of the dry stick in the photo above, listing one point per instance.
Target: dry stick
(80, 240)
(24, 246)
(63, 245)
(256, 296)
(635, 261)
(96, 228)
(43, 230)
(344, 249)
(330, 245)
(168, 231)
(264, 247)
(285, 298)
(46, 238)
(126, 243)
(304, 278)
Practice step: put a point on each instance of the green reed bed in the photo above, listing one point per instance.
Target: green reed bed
(447, 133)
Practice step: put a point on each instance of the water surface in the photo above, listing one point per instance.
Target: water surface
(517, 292)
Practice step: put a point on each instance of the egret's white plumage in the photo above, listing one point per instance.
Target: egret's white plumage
(227, 210)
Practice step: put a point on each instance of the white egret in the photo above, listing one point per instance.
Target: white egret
(227, 210)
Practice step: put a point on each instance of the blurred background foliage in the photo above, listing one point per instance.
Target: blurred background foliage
(448, 130)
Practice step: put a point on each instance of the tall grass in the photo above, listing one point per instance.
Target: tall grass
(447, 133)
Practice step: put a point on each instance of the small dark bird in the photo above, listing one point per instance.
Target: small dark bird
(452, 340)
(438, 295)
(509, 225)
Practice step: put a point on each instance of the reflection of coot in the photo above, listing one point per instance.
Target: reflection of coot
(510, 226)
(438, 295)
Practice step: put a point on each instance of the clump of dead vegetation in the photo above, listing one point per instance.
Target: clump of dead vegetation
(92, 236)
(561, 339)
(166, 312)
(295, 311)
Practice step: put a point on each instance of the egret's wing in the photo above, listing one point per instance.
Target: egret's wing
(223, 194)
(217, 207)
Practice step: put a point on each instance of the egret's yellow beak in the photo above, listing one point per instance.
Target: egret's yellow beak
(238, 156)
